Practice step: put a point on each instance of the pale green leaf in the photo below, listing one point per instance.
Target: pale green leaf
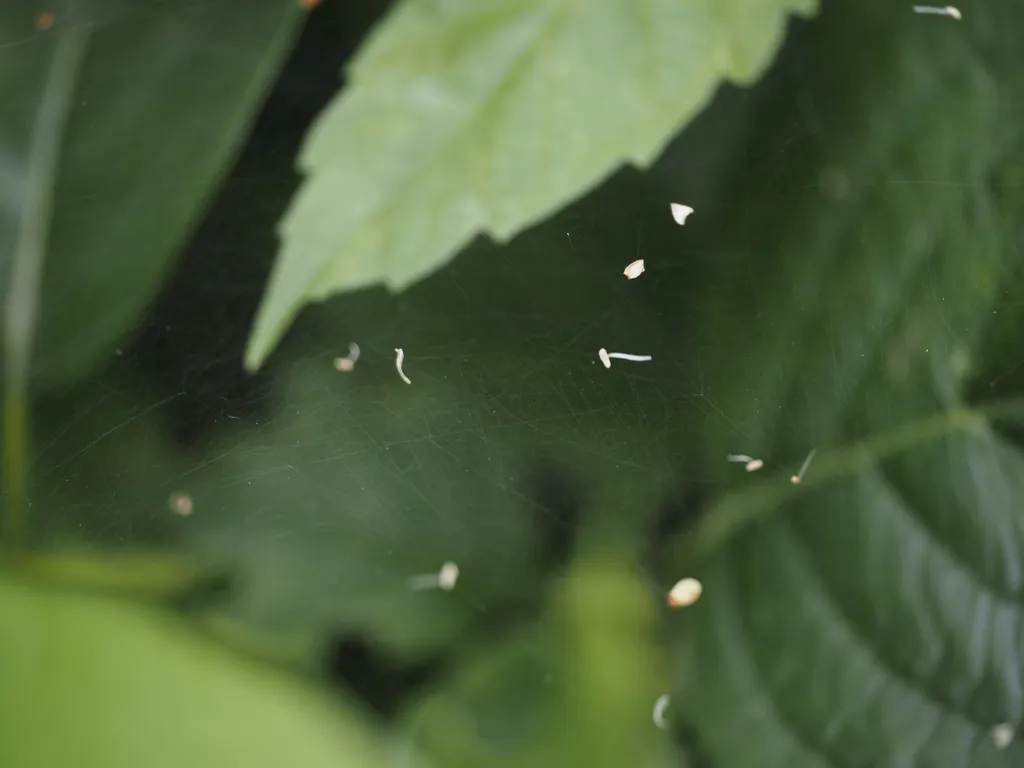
(162, 98)
(98, 683)
(464, 117)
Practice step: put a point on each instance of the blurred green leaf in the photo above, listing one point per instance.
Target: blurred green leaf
(579, 689)
(461, 118)
(163, 98)
(874, 619)
(89, 681)
(327, 517)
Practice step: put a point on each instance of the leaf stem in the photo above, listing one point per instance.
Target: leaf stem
(735, 511)
(21, 305)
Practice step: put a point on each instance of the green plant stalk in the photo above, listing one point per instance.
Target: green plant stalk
(21, 305)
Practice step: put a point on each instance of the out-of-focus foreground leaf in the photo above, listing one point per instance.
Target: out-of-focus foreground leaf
(463, 117)
(164, 94)
(877, 619)
(94, 682)
(577, 690)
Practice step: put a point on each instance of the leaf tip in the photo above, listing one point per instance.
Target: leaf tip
(257, 349)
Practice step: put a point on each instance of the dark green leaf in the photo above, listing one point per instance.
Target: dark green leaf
(464, 117)
(357, 488)
(164, 95)
(876, 618)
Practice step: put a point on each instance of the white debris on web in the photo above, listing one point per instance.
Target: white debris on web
(634, 269)
(749, 462)
(660, 705)
(685, 592)
(180, 503)
(399, 359)
(948, 10)
(799, 476)
(680, 212)
(1001, 735)
(606, 357)
(447, 576)
(345, 364)
(444, 579)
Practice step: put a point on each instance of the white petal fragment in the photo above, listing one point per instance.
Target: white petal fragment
(448, 575)
(634, 269)
(444, 579)
(345, 364)
(1001, 735)
(660, 705)
(180, 503)
(685, 592)
(399, 359)
(749, 462)
(948, 10)
(607, 357)
(680, 212)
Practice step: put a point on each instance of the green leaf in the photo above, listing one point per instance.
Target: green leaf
(874, 618)
(90, 681)
(335, 510)
(163, 97)
(577, 689)
(463, 117)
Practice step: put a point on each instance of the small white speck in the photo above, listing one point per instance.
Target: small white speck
(634, 269)
(749, 462)
(399, 359)
(685, 592)
(799, 476)
(180, 503)
(949, 10)
(660, 705)
(680, 212)
(346, 364)
(448, 575)
(1001, 735)
(444, 579)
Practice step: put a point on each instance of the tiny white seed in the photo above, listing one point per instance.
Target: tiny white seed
(660, 705)
(685, 592)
